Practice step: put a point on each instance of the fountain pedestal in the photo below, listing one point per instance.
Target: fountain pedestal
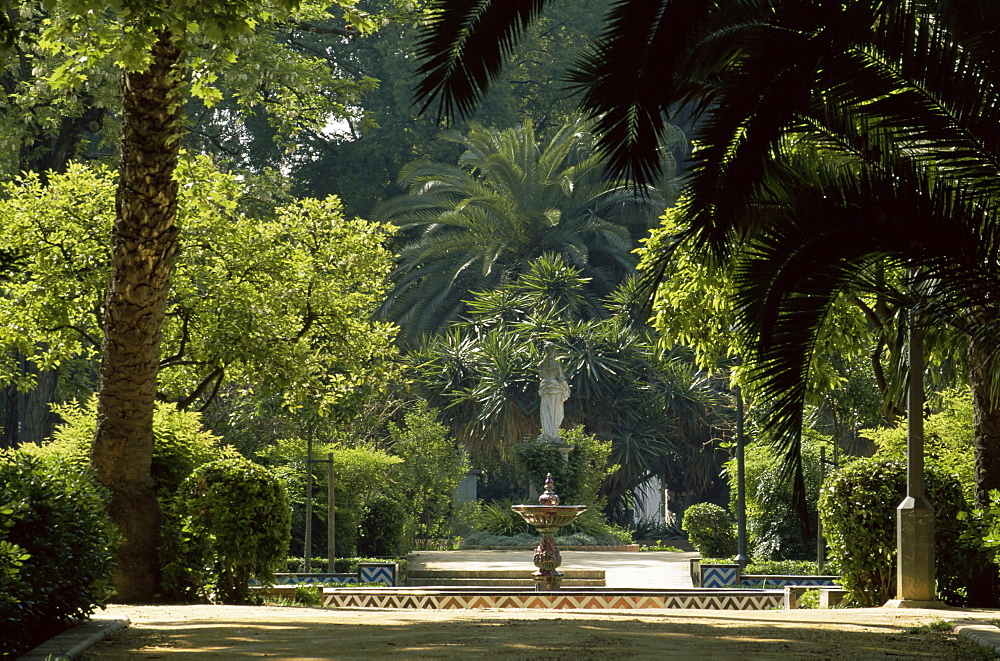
(547, 517)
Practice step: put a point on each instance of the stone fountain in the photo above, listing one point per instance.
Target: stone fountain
(547, 517)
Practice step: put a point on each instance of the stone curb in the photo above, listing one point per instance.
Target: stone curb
(71, 643)
(984, 635)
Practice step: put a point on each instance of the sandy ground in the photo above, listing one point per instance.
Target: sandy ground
(228, 632)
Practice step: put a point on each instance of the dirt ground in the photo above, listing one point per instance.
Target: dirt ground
(173, 632)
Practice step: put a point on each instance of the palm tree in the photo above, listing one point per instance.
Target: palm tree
(834, 135)
(477, 224)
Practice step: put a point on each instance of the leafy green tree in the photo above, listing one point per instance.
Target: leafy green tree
(280, 300)
(433, 466)
(149, 42)
(508, 201)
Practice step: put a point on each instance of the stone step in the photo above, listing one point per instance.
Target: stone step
(499, 577)
(525, 582)
(500, 573)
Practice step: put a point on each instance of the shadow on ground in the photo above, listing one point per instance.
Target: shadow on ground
(379, 634)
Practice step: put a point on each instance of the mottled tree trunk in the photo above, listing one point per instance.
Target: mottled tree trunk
(144, 241)
(986, 416)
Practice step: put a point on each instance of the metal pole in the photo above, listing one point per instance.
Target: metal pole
(331, 513)
(915, 515)
(819, 522)
(307, 551)
(741, 504)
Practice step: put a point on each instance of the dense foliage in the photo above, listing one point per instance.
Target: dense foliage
(182, 443)
(858, 509)
(512, 198)
(238, 513)
(579, 477)
(382, 531)
(773, 530)
(660, 414)
(948, 439)
(275, 292)
(360, 477)
(55, 542)
(423, 483)
(710, 530)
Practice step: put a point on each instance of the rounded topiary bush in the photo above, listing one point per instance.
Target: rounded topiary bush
(857, 507)
(235, 521)
(383, 529)
(56, 543)
(710, 530)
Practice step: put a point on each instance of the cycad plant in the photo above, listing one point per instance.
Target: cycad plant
(658, 412)
(475, 225)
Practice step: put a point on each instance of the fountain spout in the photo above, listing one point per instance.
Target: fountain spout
(547, 517)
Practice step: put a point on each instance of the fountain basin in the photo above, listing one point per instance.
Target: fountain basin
(548, 518)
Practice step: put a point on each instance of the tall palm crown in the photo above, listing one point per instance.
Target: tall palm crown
(834, 133)
(508, 201)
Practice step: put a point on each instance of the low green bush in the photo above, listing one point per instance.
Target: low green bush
(486, 540)
(858, 510)
(237, 514)
(497, 518)
(710, 530)
(181, 445)
(789, 568)
(654, 528)
(57, 545)
(308, 595)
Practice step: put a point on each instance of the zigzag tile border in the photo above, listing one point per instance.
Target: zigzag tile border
(719, 576)
(370, 572)
(760, 580)
(563, 599)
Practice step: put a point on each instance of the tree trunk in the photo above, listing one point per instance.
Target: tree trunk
(144, 241)
(985, 417)
(28, 418)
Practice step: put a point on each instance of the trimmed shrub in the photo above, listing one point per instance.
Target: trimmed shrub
(55, 543)
(235, 515)
(181, 445)
(858, 510)
(710, 530)
(382, 529)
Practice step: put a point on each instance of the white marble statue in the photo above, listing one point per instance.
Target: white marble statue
(553, 390)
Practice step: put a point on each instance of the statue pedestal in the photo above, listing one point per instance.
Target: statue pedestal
(562, 446)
